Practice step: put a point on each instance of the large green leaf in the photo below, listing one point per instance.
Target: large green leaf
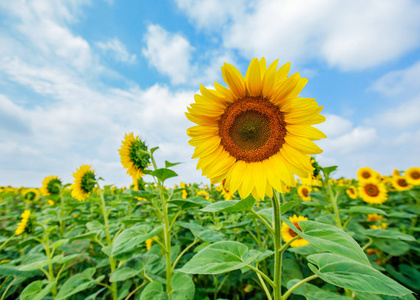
(312, 292)
(183, 287)
(78, 283)
(130, 238)
(190, 202)
(387, 234)
(364, 210)
(231, 206)
(163, 174)
(220, 258)
(206, 234)
(122, 274)
(34, 290)
(330, 238)
(347, 273)
(153, 291)
(406, 275)
(393, 247)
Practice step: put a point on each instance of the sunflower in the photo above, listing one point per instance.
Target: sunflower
(372, 191)
(50, 202)
(367, 173)
(412, 176)
(287, 233)
(257, 133)
(373, 217)
(134, 155)
(352, 192)
(204, 194)
(31, 194)
(400, 183)
(383, 225)
(184, 192)
(50, 186)
(23, 223)
(396, 172)
(84, 182)
(303, 191)
(227, 195)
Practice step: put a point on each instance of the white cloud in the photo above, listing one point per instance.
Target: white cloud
(169, 53)
(352, 35)
(334, 126)
(118, 50)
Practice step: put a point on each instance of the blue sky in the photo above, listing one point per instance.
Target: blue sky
(76, 75)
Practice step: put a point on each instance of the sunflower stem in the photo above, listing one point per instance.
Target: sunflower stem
(333, 199)
(277, 245)
(290, 291)
(62, 221)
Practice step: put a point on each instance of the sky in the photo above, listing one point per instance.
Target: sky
(77, 75)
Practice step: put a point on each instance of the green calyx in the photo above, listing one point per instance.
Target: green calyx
(139, 155)
(88, 182)
(53, 186)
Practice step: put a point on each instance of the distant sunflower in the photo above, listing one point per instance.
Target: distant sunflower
(372, 191)
(400, 183)
(373, 217)
(383, 225)
(23, 223)
(287, 233)
(84, 182)
(257, 133)
(133, 156)
(50, 186)
(412, 176)
(367, 173)
(204, 194)
(31, 194)
(303, 191)
(352, 192)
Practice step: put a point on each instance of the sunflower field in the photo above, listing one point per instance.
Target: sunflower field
(272, 224)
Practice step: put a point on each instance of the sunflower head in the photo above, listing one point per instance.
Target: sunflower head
(24, 223)
(383, 225)
(31, 194)
(352, 192)
(372, 191)
(134, 155)
(373, 217)
(304, 191)
(400, 183)
(256, 133)
(367, 173)
(50, 186)
(287, 233)
(204, 194)
(84, 182)
(412, 176)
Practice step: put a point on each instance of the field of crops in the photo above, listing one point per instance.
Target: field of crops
(114, 242)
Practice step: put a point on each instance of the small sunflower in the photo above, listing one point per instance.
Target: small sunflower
(184, 192)
(50, 186)
(352, 192)
(400, 183)
(84, 182)
(373, 217)
(204, 194)
(287, 233)
(372, 191)
(133, 155)
(303, 191)
(23, 223)
(412, 176)
(383, 225)
(50, 202)
(227, 195)
(31, 194)
(257, 133)
(367, 173)
(396, 172)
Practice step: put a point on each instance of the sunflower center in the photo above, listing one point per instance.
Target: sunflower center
(53, 186)
(305, 192)
(415, 175)
(366, 175)
(372, 190)
(88, 182)
(351, 191)
(252, 129)
(292, 233)
(30, 196)
(402, 182)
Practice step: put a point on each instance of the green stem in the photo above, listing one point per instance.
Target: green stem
(183, 252)
(7, 289)
(367, 245)
(62, 222)
(277, 246)
(333, 199)
(6, 241)
(263, 220)
(285, 246)
(290, 291)
(49, 256)
(264, 286)
(259, 272)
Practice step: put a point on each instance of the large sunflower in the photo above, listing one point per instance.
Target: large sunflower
(50, 186)
(84, 182)
(412, 176)
(400, 183)
(367, 173)
(287, 233)
(133, 156)
(257, 133)
(372, 191)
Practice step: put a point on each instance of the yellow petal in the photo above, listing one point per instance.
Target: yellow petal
(306, 131)
(234, 80)
(303, 144)
(300, 117)
(263, 66)
(202, 120)
(206, 148)
(273, 178)
(198, 131)
(260, 179)
(284, 173)
(213, 96)
(293, 104)
(292, 167)
(297, 158)
(284, 90)
(269, 190)
(209, 158)
(269, 79)
(315, 120)
(254, 78)
(227, 94)
(283, 72)
(247, 182)
(235, 176)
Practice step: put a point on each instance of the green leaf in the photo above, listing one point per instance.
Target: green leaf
(406, 275)
(87, 236)
(328, 170)
(94, 226)
(312, 292)
(287, 206)
(267, 213)
(121, 274)
(183, 287)
(387, 234)
(206, 234)
(59, 243)
(347, 273)
(169, 164)
(34, 290)
(231, 205)
(220, 258)
(153, 291)
(401, 215)
(190, 202)
(130, 238)
(364, 210)
(329, 238)
(152, 150)
(77, 283)
(393, 247)
(163, 174)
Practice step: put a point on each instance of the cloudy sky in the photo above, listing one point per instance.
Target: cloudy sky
(76, 75)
